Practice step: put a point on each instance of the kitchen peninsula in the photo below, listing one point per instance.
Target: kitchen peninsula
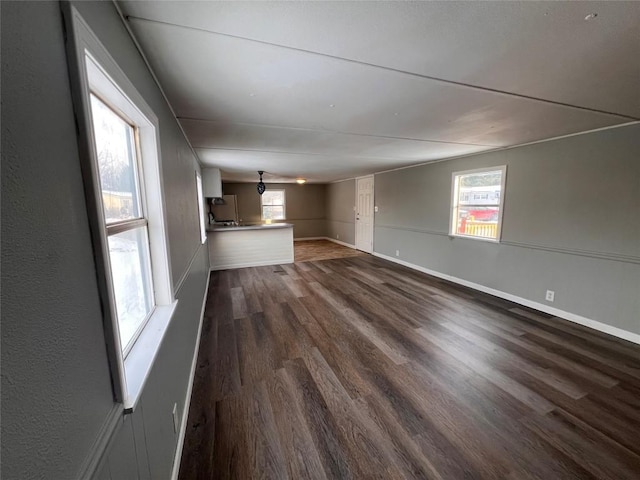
(250, 245)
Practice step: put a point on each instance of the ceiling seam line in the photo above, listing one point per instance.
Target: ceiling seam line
(301, 153)
(503, 149)
(391, 69)
(339, 132)
(153, 75)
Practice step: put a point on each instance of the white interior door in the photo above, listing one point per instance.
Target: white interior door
(364, 214)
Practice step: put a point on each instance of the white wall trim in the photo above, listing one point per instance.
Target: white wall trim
(187, 401)
(141, 359)
(501, 149)
(349, 222)
(184, 276)
(615, 257)
(340, 243)
(325, 238)
(101, 445)
(572, 317)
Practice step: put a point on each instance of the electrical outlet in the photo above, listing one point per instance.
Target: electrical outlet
(550, 295)
(397, 253)
(338, 236)
(176, 420)
(375, 209)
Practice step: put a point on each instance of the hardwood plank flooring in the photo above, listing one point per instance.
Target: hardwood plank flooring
(355, 367)
(314, 250)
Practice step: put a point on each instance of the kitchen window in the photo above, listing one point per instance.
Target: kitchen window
(273, 205)
(120, 160)
(476, 203)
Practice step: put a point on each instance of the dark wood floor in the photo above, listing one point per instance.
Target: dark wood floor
(359, 368)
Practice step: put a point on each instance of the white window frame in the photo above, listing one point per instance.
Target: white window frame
(92, 69)
(96, 79)
(284, 204)
(200, 200)
(453, 213)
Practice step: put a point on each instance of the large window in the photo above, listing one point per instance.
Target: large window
(273, 205)
(118, 141)
(125, 221)
(476, 206)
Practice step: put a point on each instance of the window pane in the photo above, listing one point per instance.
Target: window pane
(273, 197)
(477, 222)
(115, 145)
(476, 209)
(130, 271)
(273, 212)
(480, 214)
(480, 188)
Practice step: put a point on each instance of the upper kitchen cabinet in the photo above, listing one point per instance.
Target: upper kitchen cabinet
(212, 182)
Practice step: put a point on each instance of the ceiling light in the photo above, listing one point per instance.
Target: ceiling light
(300, 181)
(591, 16)
(332, 105)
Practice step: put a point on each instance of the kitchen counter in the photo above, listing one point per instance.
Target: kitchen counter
(250, 245)
(260, 226)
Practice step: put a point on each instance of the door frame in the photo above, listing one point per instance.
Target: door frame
(373, 192)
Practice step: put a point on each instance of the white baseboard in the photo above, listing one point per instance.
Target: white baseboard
(345, 244)
(187, 401)
(572, 317)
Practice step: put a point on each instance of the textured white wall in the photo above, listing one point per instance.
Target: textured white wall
(56, 387)
(56, 391)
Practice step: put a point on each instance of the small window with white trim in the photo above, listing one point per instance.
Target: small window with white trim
(200, 201)
(273, 205)
(121, 167)
(476, 204)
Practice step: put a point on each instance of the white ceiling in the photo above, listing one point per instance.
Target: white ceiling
(332, 90)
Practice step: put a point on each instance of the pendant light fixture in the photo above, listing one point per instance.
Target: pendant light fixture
(261, 186)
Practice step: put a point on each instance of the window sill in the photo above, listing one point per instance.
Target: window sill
(139, 361)
(469, 237)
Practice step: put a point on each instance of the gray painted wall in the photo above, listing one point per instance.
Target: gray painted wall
(570, 224)
(56, 392)
(178, 161)
(305, 205)
(341, 198)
